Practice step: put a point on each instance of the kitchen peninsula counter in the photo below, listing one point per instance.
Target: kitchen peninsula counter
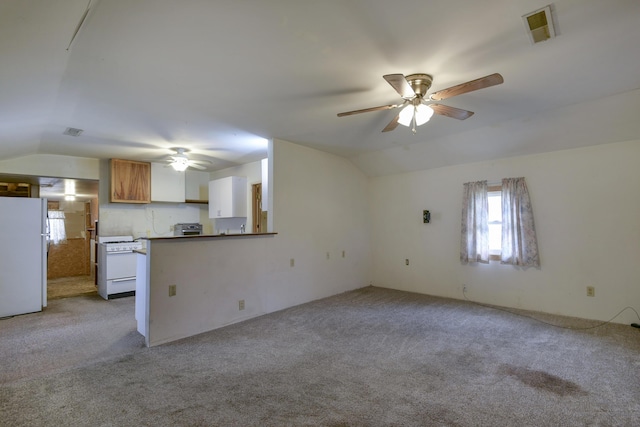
(205, 236)
(186, 285)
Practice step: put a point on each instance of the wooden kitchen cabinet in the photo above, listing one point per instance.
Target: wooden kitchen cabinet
(228, 197)
(130, 181)
(11, 189)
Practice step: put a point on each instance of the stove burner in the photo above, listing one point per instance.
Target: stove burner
(122, 246)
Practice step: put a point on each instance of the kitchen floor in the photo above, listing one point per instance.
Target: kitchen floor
(65, 287)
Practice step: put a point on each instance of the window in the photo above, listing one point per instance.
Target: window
(494, 218)
(497, 224)
(57, 231)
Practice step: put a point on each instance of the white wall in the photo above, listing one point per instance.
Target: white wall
(320, 204)
(586, 203)
(211, 274)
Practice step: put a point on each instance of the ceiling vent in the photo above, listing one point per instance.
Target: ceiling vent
(73, 132)
(539, 25)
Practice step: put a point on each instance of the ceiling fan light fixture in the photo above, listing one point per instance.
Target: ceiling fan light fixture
(423, 114)
(180, 164)
(406, 115)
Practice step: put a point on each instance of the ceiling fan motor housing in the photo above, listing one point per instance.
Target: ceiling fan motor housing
(420, 83)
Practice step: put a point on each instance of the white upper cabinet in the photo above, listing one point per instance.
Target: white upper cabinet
(228, 197)
(197, 186)
(167, 184)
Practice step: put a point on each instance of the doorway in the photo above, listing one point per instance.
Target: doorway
(258, 216)
(73, 212)
(71, 260)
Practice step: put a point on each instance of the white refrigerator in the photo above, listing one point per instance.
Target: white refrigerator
(23, 255)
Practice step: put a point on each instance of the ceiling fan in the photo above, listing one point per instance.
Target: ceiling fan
(417, 107)
(181, 162)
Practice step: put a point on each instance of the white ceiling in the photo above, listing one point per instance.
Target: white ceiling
(220, 77)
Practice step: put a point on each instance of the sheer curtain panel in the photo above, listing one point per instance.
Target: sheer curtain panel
(519, 243)
(57, 232)
(474, 239)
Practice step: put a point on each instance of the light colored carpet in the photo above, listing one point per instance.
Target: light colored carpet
(371, 357)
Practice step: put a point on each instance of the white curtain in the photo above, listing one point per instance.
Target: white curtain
(57, 232)
(519, 243)
(474, 242)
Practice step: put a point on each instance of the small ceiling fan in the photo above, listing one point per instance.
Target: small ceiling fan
(181, 162)
(417, 107)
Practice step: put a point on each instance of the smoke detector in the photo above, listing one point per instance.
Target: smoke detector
(539, 25)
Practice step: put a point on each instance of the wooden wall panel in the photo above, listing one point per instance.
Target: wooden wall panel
(69, 258)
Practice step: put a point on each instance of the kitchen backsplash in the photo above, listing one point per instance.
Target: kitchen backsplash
(152, 220)
(229, 225)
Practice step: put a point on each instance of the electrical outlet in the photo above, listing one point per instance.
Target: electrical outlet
(591, 291)
(292, 262)
(406, 261)
(241, 304)
(464, 288)
(172, 290)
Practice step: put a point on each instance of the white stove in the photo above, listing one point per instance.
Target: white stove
(119, 243)
(117, 266)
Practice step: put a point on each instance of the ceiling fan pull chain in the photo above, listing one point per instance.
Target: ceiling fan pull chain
(413, 129)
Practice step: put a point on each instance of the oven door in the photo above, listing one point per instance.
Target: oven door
(118, 270)
(120, 265)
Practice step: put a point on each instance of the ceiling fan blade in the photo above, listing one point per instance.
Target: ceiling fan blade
(453, 112)
(206, 162)
(392, 124)
(366, 110)
(400, 84)
(156, 160)
(195, 166)
(481, 83)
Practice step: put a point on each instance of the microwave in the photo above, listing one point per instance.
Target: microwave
(187, 229)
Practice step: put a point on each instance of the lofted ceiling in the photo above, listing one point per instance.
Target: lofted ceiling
(221, 77)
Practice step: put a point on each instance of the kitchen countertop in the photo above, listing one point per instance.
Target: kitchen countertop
(209, 236)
